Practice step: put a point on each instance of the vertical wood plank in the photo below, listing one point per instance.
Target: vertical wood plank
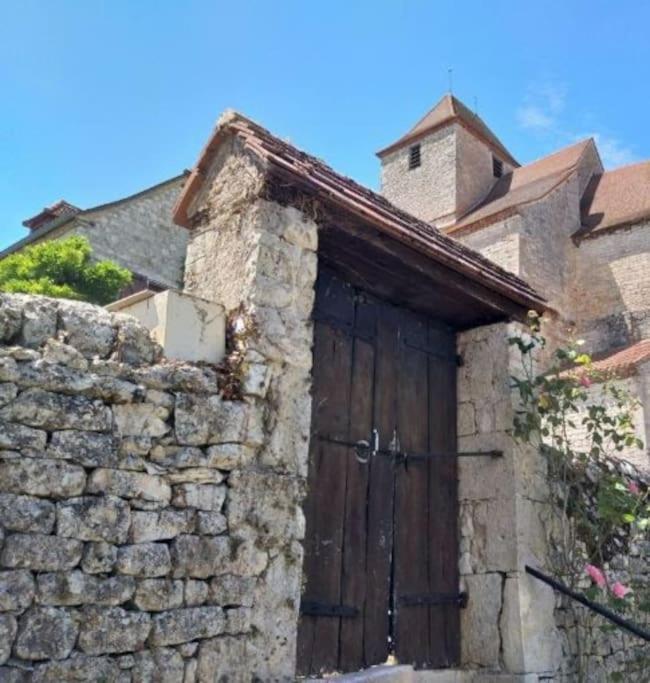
(412, 495)
(381, 494)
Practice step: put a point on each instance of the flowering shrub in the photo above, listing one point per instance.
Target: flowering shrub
(600, 509)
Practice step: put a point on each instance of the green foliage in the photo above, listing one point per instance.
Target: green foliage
(599, 512)
(63, 269)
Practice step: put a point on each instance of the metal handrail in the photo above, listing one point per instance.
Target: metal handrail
(594, 606)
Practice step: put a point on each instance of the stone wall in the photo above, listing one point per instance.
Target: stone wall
(138, 233)
(612, 285)
(142, 538)
(508, 627)
(259, 258)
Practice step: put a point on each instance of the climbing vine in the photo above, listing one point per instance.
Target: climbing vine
(581, 421)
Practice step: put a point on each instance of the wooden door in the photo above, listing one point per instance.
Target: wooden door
(381, 542)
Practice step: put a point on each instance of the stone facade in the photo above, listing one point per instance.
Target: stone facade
(150, 525)
(137, 233)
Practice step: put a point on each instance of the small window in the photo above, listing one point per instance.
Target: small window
(414, 157)
(497, 167)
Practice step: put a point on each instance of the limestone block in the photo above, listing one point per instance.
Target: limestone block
(94, 518)
(211, 523)
(269, 502)
(232, 590)
(481, 642)
(16, 590)
(41, 553)
(143, 560)
(113, 630)
(56, 352)
(127, 484)
(134, 343)
(156, 595)
(249, 560)
(8, 393)
(201, 496)
(8, 628)
(191, 667)
(77, 668)
(222, 657)
(88, 328)
(38, 408)
(210, 420)
(26, 514)
(77, 588)
(196, 592)
(18, 437)
(39, 320)
(200, 557)
(466, 419)
(11, 317)
(160, 664)
(46, 633)
(89, 449)
(99, 558)
(230, 456)
(178, 457)
(9, 371)
(238, 621)
(195, 475)
(160, 525)
(41, 477)
(186, 624)
(256, 378)
(143, 419)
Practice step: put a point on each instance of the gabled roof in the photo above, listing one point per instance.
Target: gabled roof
(616, 198)
(449, 109)
(307, 172)
(524, 185)
(50, 213)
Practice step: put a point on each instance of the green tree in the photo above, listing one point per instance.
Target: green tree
(63, 269)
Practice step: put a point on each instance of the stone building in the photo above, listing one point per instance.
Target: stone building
(342, 490)
(136, 232)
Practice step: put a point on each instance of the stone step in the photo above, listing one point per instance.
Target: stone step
(402, 674)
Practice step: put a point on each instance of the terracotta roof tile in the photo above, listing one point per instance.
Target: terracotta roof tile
(285, 160)
(448, 109)
(624, 361)
(524, 185)
(615, 198)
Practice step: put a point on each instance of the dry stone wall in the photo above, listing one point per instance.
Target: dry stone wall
(138, 535)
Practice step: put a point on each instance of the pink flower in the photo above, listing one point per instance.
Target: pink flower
(633, 487)
(619, 590)
(585, 381)
(596, 575)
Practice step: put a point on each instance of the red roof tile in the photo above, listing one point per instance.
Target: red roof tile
(616, 198)
(624, 361)
(448, 109)
(284, 159)
(524, 185)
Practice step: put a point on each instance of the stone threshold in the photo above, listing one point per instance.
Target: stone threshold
(407, 674)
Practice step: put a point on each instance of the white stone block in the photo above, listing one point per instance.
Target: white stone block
(187, 328)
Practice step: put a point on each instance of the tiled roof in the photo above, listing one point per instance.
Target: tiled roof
(307, 171)
(451, 109)
(61, 208)
(524, 185)
(624, 361)
(615, 198)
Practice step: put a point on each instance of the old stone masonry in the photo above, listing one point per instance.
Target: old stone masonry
(130, 549)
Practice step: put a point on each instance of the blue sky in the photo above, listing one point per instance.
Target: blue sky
(101, 99)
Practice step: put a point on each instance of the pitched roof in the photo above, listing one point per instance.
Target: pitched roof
(448, 109)
(524, 185)
(616, 198)
(50, 213)
(285, 160)
(624, 361)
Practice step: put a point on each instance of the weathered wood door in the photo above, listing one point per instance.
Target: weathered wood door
(381, 541)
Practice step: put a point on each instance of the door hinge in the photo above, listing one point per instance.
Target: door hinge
(432, 599)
